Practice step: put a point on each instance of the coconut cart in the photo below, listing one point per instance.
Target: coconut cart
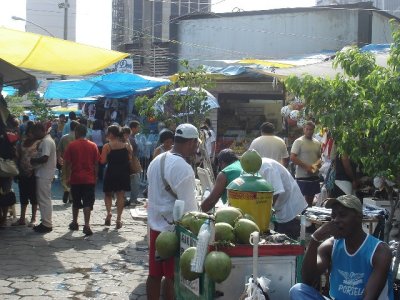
(251, 198)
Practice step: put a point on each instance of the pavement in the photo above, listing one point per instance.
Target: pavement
(64, 264)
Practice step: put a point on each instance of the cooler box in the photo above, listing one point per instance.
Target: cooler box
(276, 262)
(253, 195)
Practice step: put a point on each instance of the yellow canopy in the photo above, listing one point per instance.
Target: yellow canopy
(268, 63)
(49, 54)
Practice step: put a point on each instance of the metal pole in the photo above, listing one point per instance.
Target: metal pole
(37, 25)
(66, 6)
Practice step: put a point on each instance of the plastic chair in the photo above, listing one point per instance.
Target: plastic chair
(205, 179)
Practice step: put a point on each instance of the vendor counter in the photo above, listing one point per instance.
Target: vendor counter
(277, 262)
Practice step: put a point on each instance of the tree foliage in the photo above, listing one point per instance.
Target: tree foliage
(361, 107)
(178, 108)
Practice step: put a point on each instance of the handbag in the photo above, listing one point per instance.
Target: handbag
(8, 168)
(134, 165)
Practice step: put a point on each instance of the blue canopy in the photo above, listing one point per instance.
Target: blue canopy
(112, 85)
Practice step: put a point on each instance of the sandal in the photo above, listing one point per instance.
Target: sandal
(118, 224)
(107, 221)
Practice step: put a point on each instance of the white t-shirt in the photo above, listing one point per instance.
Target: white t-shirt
(47, 147)
(270, 146)
(290, 201)
(180, 176)
(308, 151)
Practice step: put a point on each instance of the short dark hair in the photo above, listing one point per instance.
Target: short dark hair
(310, 123)
(80, 131)
(72, 115)
(25, 118)
(227, 156)
(134, 124)
(73, 124)
(61, 116)
(181, 140)
(267, 127)
(166, 135)
(125, 130)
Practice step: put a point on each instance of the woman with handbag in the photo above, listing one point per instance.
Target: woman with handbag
(116, 154)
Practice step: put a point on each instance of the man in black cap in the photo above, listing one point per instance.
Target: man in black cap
(359, 263)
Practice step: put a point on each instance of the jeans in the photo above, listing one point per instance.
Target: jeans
(301, 291)
(135, 184)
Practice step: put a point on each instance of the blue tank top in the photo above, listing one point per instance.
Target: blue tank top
(350, 272)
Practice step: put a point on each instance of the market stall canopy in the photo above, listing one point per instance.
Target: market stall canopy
(53, 55)
(12, 76)
(112, 85)
(163, 104)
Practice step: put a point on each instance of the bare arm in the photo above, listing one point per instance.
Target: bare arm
(381, 263)
(156, 152)
(295, 159)
(317, 258)
(104, 153)
(348, 169)
(217, 191)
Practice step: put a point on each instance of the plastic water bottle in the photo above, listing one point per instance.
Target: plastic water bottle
(203, 239)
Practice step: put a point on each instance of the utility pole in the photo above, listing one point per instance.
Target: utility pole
(65, 5)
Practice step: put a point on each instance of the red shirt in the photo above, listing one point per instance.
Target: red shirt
(83, 157)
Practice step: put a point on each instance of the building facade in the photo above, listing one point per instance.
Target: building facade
(390, 6)
(277, 34)
(142, 27)
(57, 18)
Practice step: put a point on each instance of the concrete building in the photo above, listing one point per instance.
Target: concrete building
(276, 34)
(247, 101)
(142, 27)
(390, 6)
(55, 17)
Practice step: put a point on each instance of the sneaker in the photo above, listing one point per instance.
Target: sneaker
(42, 229)
(87, 230)
(73, 226)
(65, 197)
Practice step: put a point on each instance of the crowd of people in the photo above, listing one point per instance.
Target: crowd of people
(83, 156)
(359, 263)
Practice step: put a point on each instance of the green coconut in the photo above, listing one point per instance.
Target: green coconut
(167, 243)
(196, 222)
(251, 161)
(185, 264)
(243, 228)
(249, 217)
(224, 232)
(228, 215)
(218, 266)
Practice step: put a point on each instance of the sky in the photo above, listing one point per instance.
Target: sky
(97, 14)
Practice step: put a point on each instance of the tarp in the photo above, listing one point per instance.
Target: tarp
(13, 76)
(112, 85)
(53, 55)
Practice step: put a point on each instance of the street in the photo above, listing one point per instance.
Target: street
(110, 264)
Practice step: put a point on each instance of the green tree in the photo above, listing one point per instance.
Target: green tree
(362, 109)
(177, 108)
(15, 105)
(40, 107)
